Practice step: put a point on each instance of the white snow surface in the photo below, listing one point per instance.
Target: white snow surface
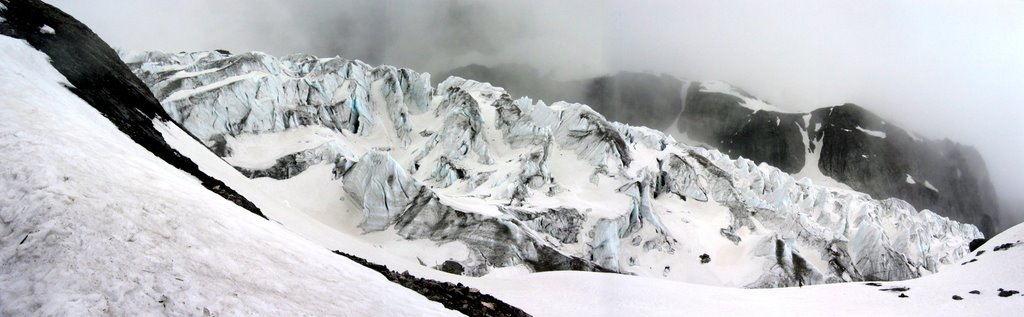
(874, 133)
(748, 101)
(46, 29)
(93, 224)
(589, 294)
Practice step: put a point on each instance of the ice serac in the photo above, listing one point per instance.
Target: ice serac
(850, 145)
(294, 164)
(382, 187)
(497, 185)
(258, 93)
(462, 132)
(391, 197)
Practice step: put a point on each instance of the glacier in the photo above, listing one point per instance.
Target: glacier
(511, 182)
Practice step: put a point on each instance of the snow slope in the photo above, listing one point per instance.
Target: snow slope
(747, 101)
(462, 173)
(93, 224)
(583, 294)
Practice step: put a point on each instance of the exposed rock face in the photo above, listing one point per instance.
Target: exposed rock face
(99, 77)
(854, 146)
(719, 120)
(521, 184)
(453, 296)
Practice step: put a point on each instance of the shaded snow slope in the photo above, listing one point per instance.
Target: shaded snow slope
(94, 224)
(462, 178)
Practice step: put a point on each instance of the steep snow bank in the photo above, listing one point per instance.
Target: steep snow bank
(94, 224)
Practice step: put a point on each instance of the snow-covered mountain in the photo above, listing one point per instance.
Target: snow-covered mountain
(109, 207)
(463, 178)
(845, 144)
(848, 144)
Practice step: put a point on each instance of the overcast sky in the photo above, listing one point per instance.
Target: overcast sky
(944, 69)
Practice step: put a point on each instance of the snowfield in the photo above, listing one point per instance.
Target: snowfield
(93, 224)
(589, 294)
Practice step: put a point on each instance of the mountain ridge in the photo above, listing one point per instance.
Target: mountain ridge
(723, 117)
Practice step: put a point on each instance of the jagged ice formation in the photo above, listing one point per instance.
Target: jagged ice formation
(499, 184)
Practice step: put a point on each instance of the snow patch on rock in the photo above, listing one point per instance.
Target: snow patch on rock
(46, 29)
(877, 134)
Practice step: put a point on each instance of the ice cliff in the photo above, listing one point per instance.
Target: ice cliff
(513, 183)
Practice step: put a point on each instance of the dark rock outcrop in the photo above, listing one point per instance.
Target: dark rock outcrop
(102, 80)
(762, 136)
(705, 258)
(948, 178)
(456, 297)
(1006, 246)
(976, 243)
